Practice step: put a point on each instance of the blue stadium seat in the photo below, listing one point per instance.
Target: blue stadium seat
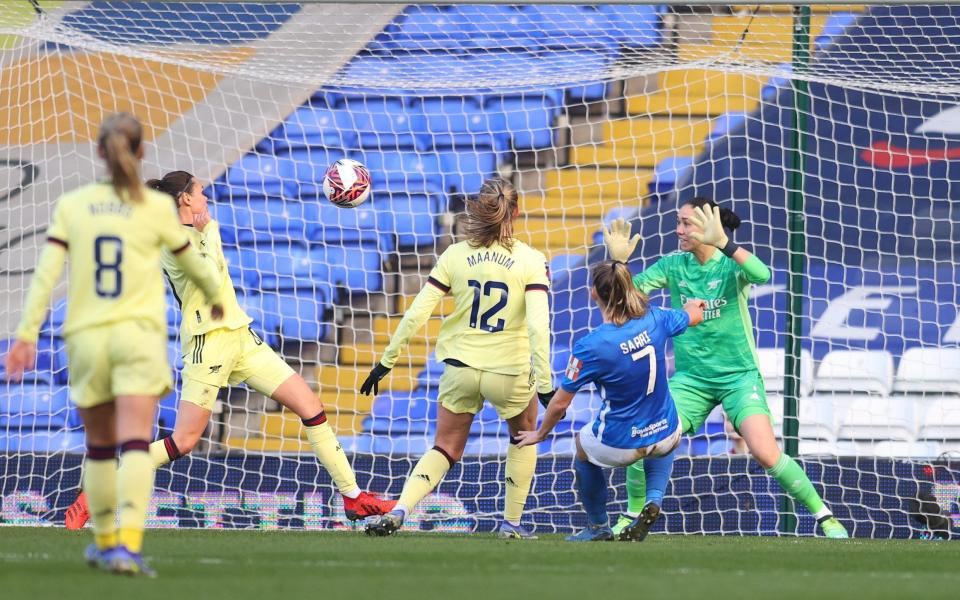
(836, 24)
(336, 225)
(167, 412)
(253, 304)
(424, 28)
(498, 26)
(284, 267)
(34, 406)
(634, 25)
(460, 122)
(313, 126)
(298, 316)
(53, 325)
(356, 267)
(562, 264)
(727, 123)
(255, 176)
(429, 376)
(402, 444)
(385, 124)
(529, 118)
(669, 172)
(265, 221)
(173, 314)
(235, 268)
(465, 169)
(304, 170)
(410, 172)
(571, 26)
(64, 440)
(410, 219)
(403, 413)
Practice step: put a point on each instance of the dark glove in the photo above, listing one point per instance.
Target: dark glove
(372, 382)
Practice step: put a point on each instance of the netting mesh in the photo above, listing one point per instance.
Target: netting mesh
(593, 112)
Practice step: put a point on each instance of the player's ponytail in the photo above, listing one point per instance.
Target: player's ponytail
(174, 184)
(490, 216)
(728, 218)
(619, 299)
(119, 144)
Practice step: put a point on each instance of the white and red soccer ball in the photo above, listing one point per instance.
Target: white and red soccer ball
(347, 183)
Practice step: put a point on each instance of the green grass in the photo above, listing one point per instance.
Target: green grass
(212, 565)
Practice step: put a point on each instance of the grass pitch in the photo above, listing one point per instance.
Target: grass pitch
(39, 563)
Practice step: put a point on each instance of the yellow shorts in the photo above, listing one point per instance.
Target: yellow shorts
(463, 389)
(227, 357)
(126, 358)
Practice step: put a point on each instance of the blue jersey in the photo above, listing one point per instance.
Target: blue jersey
(627, 364)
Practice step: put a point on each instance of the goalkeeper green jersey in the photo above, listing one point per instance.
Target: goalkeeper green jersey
(723, 346)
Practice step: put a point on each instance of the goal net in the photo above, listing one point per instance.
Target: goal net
(594, 113)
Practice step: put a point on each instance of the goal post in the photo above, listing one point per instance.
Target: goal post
(831, 129)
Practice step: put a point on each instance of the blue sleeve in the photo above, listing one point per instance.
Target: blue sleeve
(674, 321)
(582, 368)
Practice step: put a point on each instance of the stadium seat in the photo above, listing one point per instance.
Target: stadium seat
(429, 376)
(573, 27)
(669, 172)
(408, 172)
(284, 267)
(304, 170)
(410, 219)
(402, 413)
(45, 367)
(254, 303)
(265, 221)
(255, 176)
(634, 25)
(299, 316)
(335, 225)
(231, 254)
(939, 419)
(402, 444)
(498, 26)
(931, 371)
(424, 28)
(464, 170)
(728, 123)
(869, 418)
(817, 421)
(386, 124)
(313, 126)
(772, 365)
(528, 118)
(167, 412)
(172, 313)
(40, 441)
(31, 406)
(461, 122)
(356, 267)
(835, 25)
(853, 371)
(53, 325)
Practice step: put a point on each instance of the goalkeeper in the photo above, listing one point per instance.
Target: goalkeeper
(717, 362)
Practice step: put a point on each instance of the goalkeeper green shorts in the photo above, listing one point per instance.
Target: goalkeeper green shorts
(696, 398)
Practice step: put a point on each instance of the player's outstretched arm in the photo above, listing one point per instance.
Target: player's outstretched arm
(713, 234)
(555, 410)
(415, 317)
(23, 353)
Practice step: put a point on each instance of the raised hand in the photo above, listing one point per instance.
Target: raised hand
(711, 229)
(618, 241)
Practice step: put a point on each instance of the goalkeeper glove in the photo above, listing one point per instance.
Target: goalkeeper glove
(372, 383)
(618, 241)
(709, 222)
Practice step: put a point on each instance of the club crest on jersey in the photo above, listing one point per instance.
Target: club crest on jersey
(573, 368)
(682, 283)
(713, 283)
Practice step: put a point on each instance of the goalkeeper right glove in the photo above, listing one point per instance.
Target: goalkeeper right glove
(372, 383)
(618, 241)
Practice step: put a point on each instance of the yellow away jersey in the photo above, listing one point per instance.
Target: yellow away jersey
(488, 329)
(114, 250)
(195, 311)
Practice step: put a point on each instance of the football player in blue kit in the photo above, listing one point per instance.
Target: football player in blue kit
(625, 359)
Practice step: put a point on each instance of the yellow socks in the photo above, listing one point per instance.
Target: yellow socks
(100, 486)
(521, 464)
(331, 454)
(428, 472)
(164, 451)
(134, 488)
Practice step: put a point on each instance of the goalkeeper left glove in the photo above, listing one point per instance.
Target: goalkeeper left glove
(618, 241)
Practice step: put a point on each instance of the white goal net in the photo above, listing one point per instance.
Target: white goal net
(594, 112)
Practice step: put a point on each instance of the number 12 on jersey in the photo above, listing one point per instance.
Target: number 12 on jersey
(487, 289)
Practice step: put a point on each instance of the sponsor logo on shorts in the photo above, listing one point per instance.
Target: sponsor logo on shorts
(649, 430)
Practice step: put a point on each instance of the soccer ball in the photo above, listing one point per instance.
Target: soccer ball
(347, 183)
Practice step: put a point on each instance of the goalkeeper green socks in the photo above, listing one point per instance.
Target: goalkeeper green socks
(636, 488)
(792, 478)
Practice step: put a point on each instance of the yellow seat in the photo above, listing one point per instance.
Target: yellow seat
(414, 355)
(659, 133)
(287, 425)
(625, 154)
(544, 232)
(682, 106)
(347, 379)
